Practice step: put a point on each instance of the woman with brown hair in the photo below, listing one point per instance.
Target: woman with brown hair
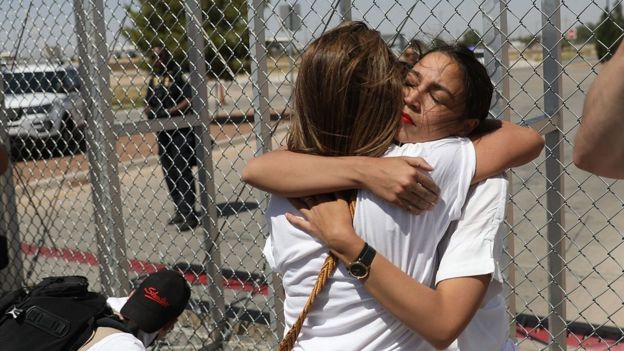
(371, 300)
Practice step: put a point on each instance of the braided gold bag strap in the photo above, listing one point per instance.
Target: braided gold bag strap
(328, 268)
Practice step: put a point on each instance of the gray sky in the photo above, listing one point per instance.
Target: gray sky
(51, 22)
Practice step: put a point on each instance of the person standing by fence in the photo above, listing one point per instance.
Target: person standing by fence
(599, 146)
(169, 95)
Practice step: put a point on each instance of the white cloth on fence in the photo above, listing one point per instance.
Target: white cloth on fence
(473, 246)
(345, 316)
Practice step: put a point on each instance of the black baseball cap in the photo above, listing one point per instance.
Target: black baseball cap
(159, 299)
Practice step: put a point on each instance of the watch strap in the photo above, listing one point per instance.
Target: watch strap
(360, 268)
(367, 255)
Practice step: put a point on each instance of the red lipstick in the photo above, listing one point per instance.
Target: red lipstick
(405, 119)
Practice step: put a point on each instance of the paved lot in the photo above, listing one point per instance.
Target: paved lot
(64, 214)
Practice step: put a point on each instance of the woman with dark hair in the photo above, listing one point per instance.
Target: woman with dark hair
(379, 295)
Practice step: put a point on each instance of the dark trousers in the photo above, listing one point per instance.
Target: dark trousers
(177, 157)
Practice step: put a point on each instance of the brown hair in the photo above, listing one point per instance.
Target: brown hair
(347, 100)
(348, 95)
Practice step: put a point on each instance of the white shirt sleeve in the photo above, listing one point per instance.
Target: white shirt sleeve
(292, 244)
(267, 251)
(454, 163)
(473, 244)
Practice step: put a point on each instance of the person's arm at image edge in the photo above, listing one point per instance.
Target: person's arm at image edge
(509, 146)
(599, 146)
(438, 315)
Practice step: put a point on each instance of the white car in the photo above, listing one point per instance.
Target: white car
(43, 102)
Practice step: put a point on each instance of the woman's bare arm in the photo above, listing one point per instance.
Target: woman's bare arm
(508, 146)
(399, 180)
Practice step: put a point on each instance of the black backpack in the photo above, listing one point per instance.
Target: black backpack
(58, 314)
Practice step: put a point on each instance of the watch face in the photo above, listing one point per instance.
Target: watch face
(358, 270)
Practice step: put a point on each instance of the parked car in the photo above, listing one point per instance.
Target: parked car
(43, 104)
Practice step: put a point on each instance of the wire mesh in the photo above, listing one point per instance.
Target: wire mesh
(94, 179)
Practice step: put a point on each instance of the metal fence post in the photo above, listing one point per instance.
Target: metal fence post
(105, 187)
(496, 56)
(551, 42)
(345, 10)
(259, 76)
(262, 117)
(212, 242)
(10, 277)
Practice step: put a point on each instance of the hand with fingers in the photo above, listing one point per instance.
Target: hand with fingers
(328, 218)
(402, 181)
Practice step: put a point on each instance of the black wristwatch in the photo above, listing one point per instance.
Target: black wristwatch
(360, 268)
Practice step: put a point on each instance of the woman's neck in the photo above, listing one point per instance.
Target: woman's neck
(417, 135)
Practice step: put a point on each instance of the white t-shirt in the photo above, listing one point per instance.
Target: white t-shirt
(345, 316)
(118, 341)
(474, 246)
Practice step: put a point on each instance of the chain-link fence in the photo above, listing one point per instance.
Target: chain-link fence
(90, 194)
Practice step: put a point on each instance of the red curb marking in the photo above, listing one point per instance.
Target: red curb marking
(573, 340)
(537, 334)
(138, 266)
(66, 254)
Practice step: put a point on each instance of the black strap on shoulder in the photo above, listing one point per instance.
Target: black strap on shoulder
(48, 322)
(113, 322)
